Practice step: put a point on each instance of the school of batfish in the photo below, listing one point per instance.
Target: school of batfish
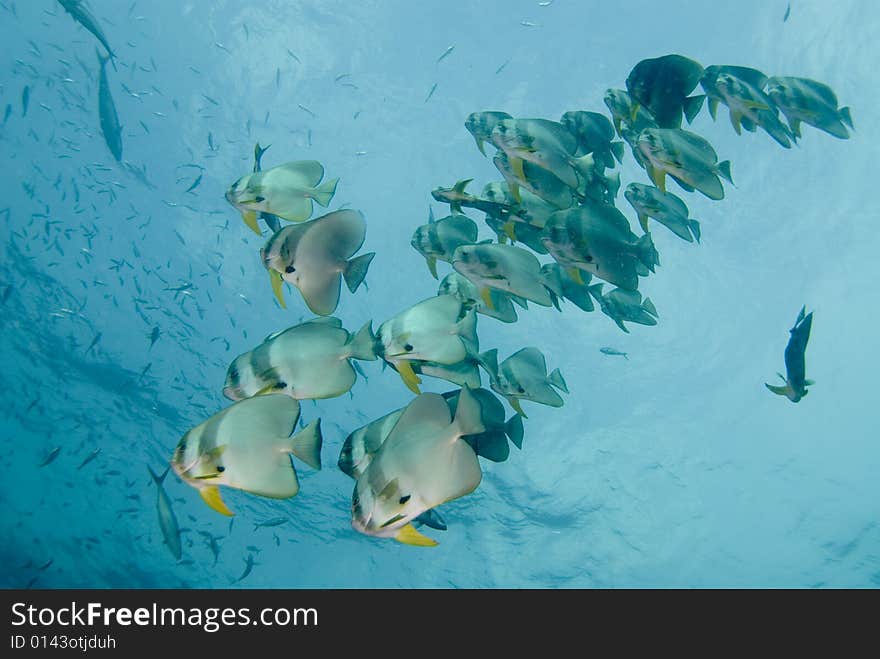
(557, 199)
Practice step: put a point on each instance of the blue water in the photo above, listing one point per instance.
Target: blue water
(675, 468)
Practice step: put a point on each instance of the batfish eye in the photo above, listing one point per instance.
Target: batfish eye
(404, 499)
(258, 199)
(289, 269)
(281, 385)
(521, 390)
(408, 347)
(220, 469)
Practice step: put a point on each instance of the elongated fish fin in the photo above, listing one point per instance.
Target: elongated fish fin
(617, 151)
(555, 378)
(724, 170)
(306, 444)
(409, 377)
(692, 106)
(646, 252)
(460, 186)
(648, 306)
(596, 291)
(516, 166)
(356, 270)
(409, 536)
(694, 226)
(468, 414)
(480, 144)
(156, 478)
(643, 221)
(211, 496)
(713, 107)
(357, 369)
(432, 265)
(489, 361)
(323, 194)
(780, 391)
(432, 519)
(800, 316)
(363, 344)
(514, 430)
(250, 219)
(809, 383)
(846, 117)
(515, 404)
(277, 283)
(658, 177)
(486, 296)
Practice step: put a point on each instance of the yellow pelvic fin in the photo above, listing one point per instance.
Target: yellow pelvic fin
(250, 219)
(480, 145)
(409, 536)
(409, 377)
(514, 403)
(755, 105)
(486, 295)
(432, 265)
(268, 389)
(643, 220)
(634, 111)
(658, 176)
(514, 192)
(509, 228)
(576, 276)
(516, 166)
(211, 496)
(277, 282)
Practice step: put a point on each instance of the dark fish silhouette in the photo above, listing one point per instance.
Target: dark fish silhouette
(51, 456)
(662, 85)
(110, 128)
(795, 362)
(25, 100)
(84, 17)
(167, 518)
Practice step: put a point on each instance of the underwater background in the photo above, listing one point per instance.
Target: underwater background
(674, 468)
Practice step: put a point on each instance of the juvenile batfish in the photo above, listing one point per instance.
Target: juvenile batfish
(506, 268)
(741, 90)
(287, 191)
(500, 307)
(421, 464)
(247, 447)
(622, 305)
(308, 361)
(662, 85)
(595, 135)
(437, 240)
(167, 518)
(810, 102)
(481, 125)
(316, 256)
(686, 157)
(523, 376)
(440, 329)
(664, 207)
(572, 285)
